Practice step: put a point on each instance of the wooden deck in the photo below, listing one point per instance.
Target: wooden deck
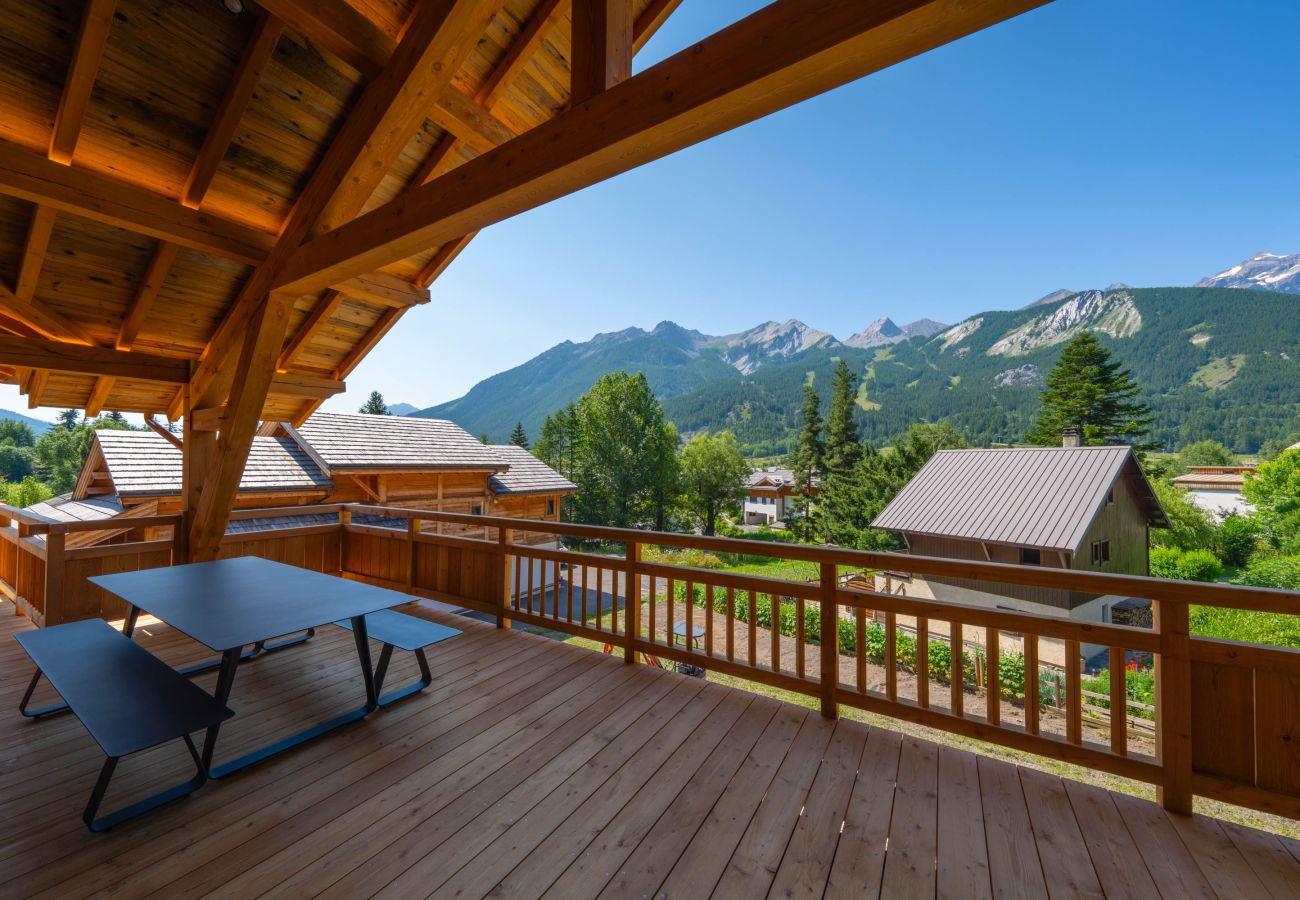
(534, 768)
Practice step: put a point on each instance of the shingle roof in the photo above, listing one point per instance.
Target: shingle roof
(142, 463)
(1039, 497)
(360, 441)
(527, 474)
(64, 509)
(1222, 481)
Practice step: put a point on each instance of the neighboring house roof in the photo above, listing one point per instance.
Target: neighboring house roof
(64, 509)
(1211, 481)
(1043, 497)
(360, 441)
(144, 464)
(526, 474)
(775, 477)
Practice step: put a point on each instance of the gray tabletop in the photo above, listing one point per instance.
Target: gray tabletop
(237, 602)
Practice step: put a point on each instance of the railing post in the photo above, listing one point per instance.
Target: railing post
(632, 611)
(829, 637)
(54, 566)
(345, 519)
(1174, 706)
(180, 542)
(505, 537)
(412, 529)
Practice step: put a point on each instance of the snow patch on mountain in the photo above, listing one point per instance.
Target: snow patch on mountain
(1262, 272)
(1114, 314)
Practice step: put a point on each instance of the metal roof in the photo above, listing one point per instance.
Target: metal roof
(527, 474)
(1035, 497)
(361, 441)
(144, 464)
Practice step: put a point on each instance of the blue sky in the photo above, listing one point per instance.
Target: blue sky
(1146, 141)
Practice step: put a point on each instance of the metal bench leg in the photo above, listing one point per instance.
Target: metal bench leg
(426, 676)
(176, 792)
(44, 710)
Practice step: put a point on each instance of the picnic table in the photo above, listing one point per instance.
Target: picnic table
(235, 605)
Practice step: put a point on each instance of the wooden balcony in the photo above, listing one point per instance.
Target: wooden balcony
(532, 766)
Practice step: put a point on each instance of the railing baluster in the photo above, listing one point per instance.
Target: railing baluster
(1073, 696)
(600, 618)
(632, 614)
(613, 601)
(993, 683)
(689, 639)
(1118, 702)
(650, 608)
(774, 604)
(585, 567)
(731, 624)
(829, 638)
(923, 662)
(891, 656)
(530, 583)
(753, 629)
(582, 599)
(860, 646)
(518, 587)
(670, 612)
(799, 638)
(1031, 683)
(708, 620)
(957, 647)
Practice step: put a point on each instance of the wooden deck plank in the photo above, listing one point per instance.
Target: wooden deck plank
(859, 862)
(1167, 858)
(702, 863)
(1111, 849)
(1014, 866)
(914, 831)
(1066, 864)
(806, 865)
(757, 856)
(531, 766)
(963, 856)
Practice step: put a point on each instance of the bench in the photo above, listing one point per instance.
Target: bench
(410, 633)
(127, 699)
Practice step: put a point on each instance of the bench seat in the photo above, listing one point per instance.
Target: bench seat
(127, 699)
(410, 633)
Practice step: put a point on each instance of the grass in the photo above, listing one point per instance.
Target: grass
(1204, 806)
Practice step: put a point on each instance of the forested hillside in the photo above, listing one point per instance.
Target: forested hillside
(1213, 363)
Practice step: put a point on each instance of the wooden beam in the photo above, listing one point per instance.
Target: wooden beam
(38, 241)
(548, 14)
(60, 357)
(40, 378)
(325, 307)
(442, 258)
(92, 38)
(37, 315)
(470, 122)
(780, 55)
(75, 190)
(339, 28)
(367, 343)
(437, 41)
(208, 419)
(14, 326)
(247, 76)
(602, 47)
(99, 395)
(154, 277)
(295, 384)
(651, 20)
(384, 289)
(439, 161)
(163, 432)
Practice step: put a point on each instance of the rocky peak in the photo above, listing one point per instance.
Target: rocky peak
(1262, 272)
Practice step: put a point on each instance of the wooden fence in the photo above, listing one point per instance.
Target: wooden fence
(1226, 715)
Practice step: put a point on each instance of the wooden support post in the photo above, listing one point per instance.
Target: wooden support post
(1031, 683)
(632, 611)
(345, 519)
(1118, 703)
(957, 674)
(54, 570)
(505, 537)
(412, 529)
(602, 46)
(1174, 706)
(1073, 692)
(993, 681)
(829, 638)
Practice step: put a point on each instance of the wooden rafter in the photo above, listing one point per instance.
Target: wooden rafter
(339, 28)
(442, 258)
(544, 19)
(602, 46)
(256, 55)
(38, 241)
(325, 307)
(651, 20)
(40, 317)
(92, 38)
(376, 333)
(162, 431)
(154, 276)
(784, 53)
(470, 122)
(440, 160)
(62, 357)
(98, 394)
(34, 178)
(37, 387)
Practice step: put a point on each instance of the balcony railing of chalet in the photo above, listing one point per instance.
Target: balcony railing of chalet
(1225, 722)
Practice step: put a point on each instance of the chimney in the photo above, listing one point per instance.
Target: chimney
(1069, 437)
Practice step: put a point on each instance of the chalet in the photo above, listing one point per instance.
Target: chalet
(1079, 508)
(770, 495)
(1216, 489)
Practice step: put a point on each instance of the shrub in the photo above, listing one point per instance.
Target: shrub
(1236, 540)
(1139, 685)
(1199, 565)
(1273, 571)
(1011, 674)
(696, 559)
(1164, 562)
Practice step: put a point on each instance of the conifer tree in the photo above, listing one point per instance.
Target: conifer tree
(808, 462)
(843, 449)
(1089, 392)
(375, 405)
(70, 418)
(519, 437)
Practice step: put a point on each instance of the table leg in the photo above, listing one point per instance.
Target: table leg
(225, 681)
(363, 655)
(128, 624)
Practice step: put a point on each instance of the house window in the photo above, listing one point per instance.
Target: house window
(1100, 552)
(550, 507)
(1031, 556)
(476, 510)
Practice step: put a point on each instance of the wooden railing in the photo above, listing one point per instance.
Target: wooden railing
(1223, 724)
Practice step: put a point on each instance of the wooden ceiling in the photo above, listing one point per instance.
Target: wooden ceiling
(208, 125)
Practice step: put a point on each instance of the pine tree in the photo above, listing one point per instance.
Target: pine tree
(375, 405)
(519, 437)
(70, 418)
(807, 462)
(1088, 392)
(843, 449)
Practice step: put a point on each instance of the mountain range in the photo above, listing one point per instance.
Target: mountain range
(38, 426)
(1220, 361)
